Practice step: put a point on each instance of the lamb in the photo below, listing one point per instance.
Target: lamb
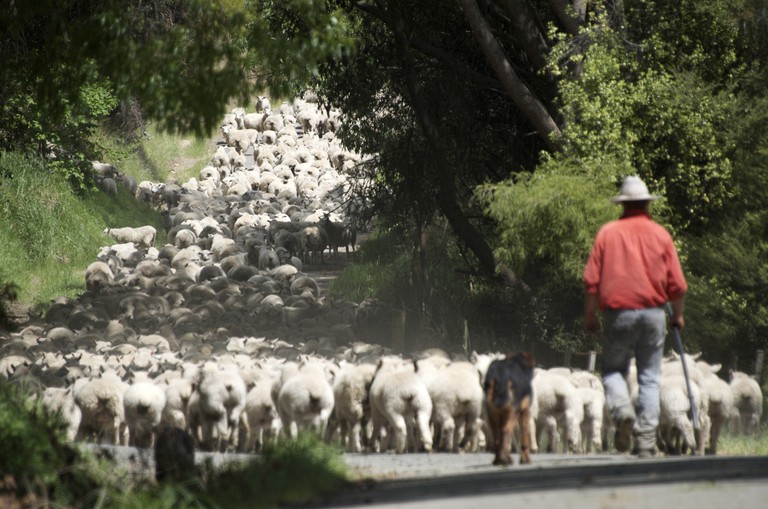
(143, 403)
(263, 105)
(747, 403)
(143, 236)
(352, 411)
(220, 159)
(592, 424)
(399, 397)
(107, 185)
(306, 399)
(220, 403)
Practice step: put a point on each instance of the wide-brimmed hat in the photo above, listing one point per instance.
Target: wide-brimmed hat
(633, 189)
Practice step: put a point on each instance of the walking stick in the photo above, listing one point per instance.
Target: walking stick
(694, 414)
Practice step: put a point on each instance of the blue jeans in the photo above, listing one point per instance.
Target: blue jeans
(637, 333)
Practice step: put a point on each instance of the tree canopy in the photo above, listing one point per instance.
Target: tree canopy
(513, 121)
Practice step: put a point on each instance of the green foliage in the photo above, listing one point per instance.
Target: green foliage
(283, 34)
(379, 263)
(667, 125)
(288, 472)
(550, 219)
(37, 455)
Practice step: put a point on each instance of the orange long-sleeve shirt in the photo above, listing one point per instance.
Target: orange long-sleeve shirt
(634, 264)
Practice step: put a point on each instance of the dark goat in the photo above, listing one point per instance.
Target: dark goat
(339, 234)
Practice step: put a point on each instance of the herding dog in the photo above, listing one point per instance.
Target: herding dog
(508, 398)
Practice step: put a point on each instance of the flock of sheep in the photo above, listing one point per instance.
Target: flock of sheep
(219, 332)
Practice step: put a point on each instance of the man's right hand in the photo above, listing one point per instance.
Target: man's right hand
(591, 323)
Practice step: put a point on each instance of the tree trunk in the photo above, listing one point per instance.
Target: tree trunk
(518, 91)
(447, 195)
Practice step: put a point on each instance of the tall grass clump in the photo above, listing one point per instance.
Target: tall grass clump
(732, 444)
(49, 234)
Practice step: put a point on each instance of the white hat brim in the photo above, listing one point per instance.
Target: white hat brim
(643, 197)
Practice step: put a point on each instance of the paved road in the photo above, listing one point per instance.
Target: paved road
(553, 481)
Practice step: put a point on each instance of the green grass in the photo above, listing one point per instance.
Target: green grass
(158, 156)
(731, 444)
(49, 235)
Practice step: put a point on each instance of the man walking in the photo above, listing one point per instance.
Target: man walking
(632, 271)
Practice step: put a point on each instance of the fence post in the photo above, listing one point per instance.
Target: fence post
(465, 339)
(759, 363)
(567, 359)
(734, 362)
(592, 361)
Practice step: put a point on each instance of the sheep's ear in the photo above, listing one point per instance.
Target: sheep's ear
(696, 356)
(716, 368)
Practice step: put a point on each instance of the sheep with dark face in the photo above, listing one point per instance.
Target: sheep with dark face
(340, 234)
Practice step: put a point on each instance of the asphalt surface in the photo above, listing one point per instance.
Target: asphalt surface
(457, 481)
(552, 481)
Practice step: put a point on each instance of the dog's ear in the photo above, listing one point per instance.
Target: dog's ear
(528, 356)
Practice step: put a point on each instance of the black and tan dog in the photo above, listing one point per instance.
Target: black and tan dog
(508, 398)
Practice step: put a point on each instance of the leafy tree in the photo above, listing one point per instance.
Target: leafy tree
(66, 63)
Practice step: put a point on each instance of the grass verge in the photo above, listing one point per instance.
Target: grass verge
(50, 235)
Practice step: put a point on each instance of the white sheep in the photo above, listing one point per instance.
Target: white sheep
(239, 139)
(747, 403)
(592, 424)
(219, 160)
(104, 169)
(220, 405)
(306, 399)
(143, 403)
(101, 403)
(457, 405)
(61, 401)
(98, 275)
(720, 396)
(399, 398)
(351, 410)
(143, 236)
(556, 408)
(263, 422)
(676, 431)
